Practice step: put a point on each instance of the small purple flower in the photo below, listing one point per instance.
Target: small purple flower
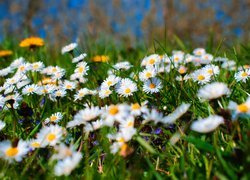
(158, 131)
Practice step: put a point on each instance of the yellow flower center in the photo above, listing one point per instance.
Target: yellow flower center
(176, 59)
(130, 124)
(148, 74)
(201, 77)
(243, 108)
(152, 86)
(51, 137)
(107, 92)
(54, 70)
(35, 144)
(182, 70)
(244, 74)
(35, 66)
(113, 110)
(151, 61)
(210, 71)
(21, 68)
(12, 151)
(135, 106)
(122, 140)
(80, 69)
(31, 89)
(109, 83)
(127, 91)
(68, 86)
(53, 118)
(58, 93)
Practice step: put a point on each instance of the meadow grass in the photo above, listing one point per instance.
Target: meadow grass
(158, 148)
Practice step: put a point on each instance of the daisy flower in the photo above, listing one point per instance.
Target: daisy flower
(177, 58)
(115, 113)
(111, 80)
(151, 60)
(126, 87)
(213, 91)
(54, 118)
(35, 143)
(137, 110)
(50, 135)
(69, 48)
(152, 86)
(81, 69)
(10, 152)
(60, 93)
(199, 51)
(176, 114)
(67, 165)
(81, 93)
(23, 68)
(152, 115)
(6, 71)
(230, 65)
(201, 76)
(242, 75)
(208, 124)
(104, 92)
(79, 58)
(17, 62)
(147, 73)
(212, 69)
(30, 89)
(243, 108)
(69, 85)
(2, 125)
(37, 66)
(206, 58)
(83, 116)
(122, 65)
(46, 89)
(63, 151)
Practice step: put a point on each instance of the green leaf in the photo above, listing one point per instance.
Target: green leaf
(200, 144)
(146, 145)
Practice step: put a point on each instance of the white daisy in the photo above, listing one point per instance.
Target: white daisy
(111, 80)
(6, 71)
(81, 69)
(69, 48)
(30, 89)
(37, 66)
(69, 85)
(199, 51)
(211, 69)
(213, 91)
(85, 115)
(176, 114)
(201, 76)
(208, 124)
(242, 75)
(115, 113)
(243, 108)
(152, 86)
(147, 73)
(54, 118)
(126, 87)
(50, 135)
(104, 92)
(122, 65)
(10, 153)
(79, 58)
(67, 165)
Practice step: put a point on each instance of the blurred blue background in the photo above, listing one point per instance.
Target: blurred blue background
(69, 20)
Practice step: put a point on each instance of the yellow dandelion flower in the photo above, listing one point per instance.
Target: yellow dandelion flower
(4, 53)
(32, 42)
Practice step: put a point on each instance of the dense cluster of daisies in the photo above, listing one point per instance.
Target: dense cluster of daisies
(23, 80)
